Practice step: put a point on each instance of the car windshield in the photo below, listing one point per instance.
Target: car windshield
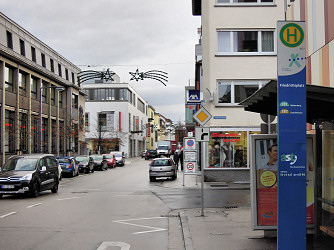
(20, 164)
(163, 147)
(108, 156)
(97, 157)
(64, 160)
(161, 162)
(118, 155)
(81, 159)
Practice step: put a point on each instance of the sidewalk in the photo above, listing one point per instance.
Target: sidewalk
(220, 228)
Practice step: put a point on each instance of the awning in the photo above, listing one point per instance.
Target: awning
(319, 103)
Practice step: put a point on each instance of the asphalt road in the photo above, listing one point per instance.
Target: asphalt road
(105, 210)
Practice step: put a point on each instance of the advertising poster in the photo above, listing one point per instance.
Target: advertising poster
(265, 181)
(328, 170)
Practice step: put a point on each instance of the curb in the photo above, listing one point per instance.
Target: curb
(188, 243)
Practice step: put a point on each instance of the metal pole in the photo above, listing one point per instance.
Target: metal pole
(202, 176)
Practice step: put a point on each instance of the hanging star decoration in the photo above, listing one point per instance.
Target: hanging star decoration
(152, 74)
(91, 74)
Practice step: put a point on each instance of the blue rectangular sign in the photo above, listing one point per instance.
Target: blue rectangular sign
(291, 110)
(194, 97)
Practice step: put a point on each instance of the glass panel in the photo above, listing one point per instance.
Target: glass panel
(267, 41)
(224, 41)
(244, 91)
(244, 1)
(224, 92)
(246, 41)
(328, 173)
(9, 75)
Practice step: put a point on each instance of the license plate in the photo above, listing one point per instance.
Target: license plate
(7, 186)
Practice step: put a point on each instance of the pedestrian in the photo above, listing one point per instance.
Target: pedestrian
(181, 159)
(176, 160)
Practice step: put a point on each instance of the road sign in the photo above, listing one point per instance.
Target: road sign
(202, 116)
(189, 144)
(189, 155)
(202, 134)
(190, 167)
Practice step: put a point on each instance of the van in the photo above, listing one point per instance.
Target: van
(29, 174)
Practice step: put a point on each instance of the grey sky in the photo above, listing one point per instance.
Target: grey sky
(122, 35)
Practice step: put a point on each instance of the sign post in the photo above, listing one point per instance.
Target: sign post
(189, 157)
(291, 110)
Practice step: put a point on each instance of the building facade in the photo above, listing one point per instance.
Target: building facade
(238, 41)
(116, 118)
(42, 106)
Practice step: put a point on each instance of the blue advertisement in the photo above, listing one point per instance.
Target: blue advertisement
(291, 110)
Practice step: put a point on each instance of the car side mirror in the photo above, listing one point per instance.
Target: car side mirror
(43, 169)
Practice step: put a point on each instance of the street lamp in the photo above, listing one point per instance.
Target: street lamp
(40, 110)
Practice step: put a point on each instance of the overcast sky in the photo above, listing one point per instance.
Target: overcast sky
(122, 35)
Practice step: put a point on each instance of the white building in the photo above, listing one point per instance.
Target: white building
(116, 117)
(238, 57)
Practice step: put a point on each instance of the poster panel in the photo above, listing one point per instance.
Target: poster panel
(264, 181)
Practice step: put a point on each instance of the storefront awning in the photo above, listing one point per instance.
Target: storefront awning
(320, 102)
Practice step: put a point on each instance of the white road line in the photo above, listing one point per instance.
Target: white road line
(68, 198)
(35, 205)
(154, 229)
(105, 245)
(125, 195)
(5, 215)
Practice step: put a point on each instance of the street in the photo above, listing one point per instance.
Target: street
(114, 209)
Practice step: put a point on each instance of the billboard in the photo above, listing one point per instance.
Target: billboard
(264, 181)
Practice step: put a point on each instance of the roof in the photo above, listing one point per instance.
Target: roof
(319, 101)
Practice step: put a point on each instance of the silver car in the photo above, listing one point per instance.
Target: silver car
(162, 167)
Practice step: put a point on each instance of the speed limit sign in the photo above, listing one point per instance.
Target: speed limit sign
(190, 167)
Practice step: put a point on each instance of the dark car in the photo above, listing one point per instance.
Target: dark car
(29, 174)
(151, 153)
(85, 163)
(99, 162)
(68, 165)
(111, 160)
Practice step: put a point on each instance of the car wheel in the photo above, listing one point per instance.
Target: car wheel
(174, 177)
(34, 192)
(55, 187)
(1, 196)
(152, 178)
(73, 173)
(87, 171)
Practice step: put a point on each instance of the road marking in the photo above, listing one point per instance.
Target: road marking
(105, 245)
(35, 205)
(85, 189)
(68, 198)
(5, 215)
(125, 195)
(154, 229)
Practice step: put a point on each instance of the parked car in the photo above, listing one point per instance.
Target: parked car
(85, 163)
(99, 162)
(143, 154)
(162, 167)
(68, 166)
(120, 159)
(111, 160)
(29, 174)
(150, 154)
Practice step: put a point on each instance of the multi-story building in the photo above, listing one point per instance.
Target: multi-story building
(238, 57)
(42, 106)
(152, 134)
(116, 117)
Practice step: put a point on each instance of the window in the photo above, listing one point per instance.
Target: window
(61, 136)
(33, 88)
(75, 101)
(43, 60)
(244, 1)
(34, 134)
(236, 42)
(45, 134)
(54, 136)
(66, 74)
(23, 132)
(102, 126)
(141, 106)
(53, 95)
(9, 79)
(22, 48)
(9, 131)
(59, 70)
(233, 92)
(33, 54)
(44, 92)
(52, 66)
(22, 83)
(9, 40)
(87, 121)
(60, 101)
(73, 78)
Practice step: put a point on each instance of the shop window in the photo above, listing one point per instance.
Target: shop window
(9, 131)
(23, 132)
(45, 135)
(244, 1)
(34, 134)
(228, 149)
(54, 136)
